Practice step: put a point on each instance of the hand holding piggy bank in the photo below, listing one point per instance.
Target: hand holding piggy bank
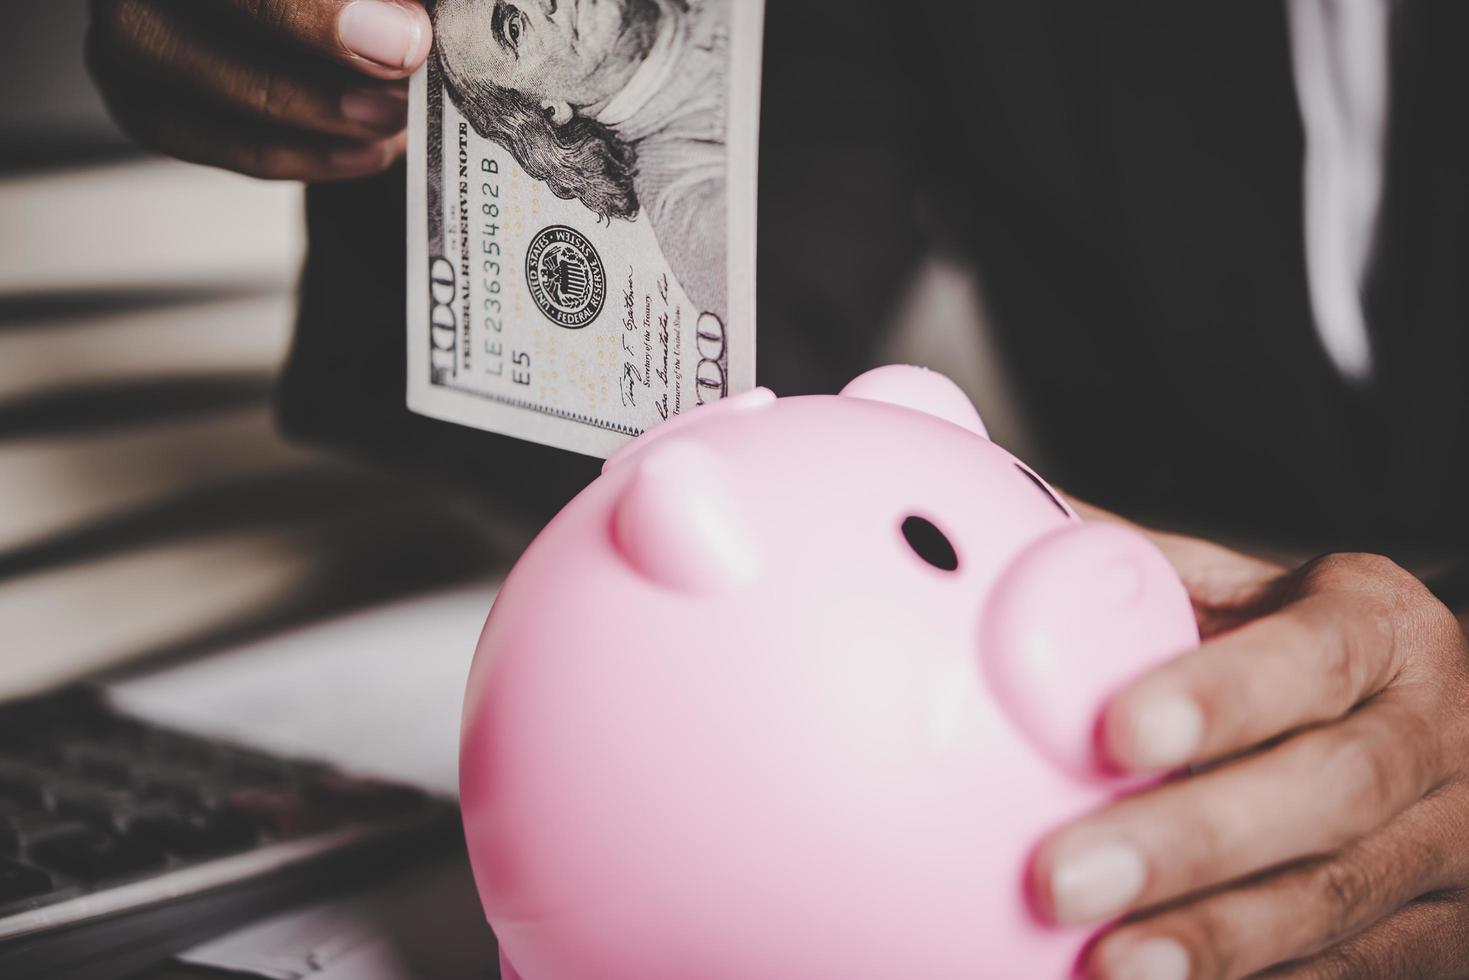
(790, 692)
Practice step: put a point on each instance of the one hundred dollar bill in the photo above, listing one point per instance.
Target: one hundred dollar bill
(581, 214)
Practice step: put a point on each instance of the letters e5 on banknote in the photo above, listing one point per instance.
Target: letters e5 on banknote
(581, 214)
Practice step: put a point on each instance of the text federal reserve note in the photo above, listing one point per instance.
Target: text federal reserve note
(581, 214)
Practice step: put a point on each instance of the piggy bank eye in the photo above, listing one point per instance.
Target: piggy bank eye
(930, 544)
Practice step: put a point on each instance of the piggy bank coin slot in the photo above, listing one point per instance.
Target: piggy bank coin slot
(1041, 486)
(930, 544)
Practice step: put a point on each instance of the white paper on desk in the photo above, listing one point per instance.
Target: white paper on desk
(377, 692)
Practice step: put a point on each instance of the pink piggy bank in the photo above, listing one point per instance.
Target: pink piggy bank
(790, 693)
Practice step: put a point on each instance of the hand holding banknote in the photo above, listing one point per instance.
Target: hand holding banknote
(286, 89)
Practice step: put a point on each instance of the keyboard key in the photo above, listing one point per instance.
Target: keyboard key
(197, 835)
(190, 788)
(24, 783)
(10, 805)
(364, 797)
(279, 814)
(86, 802)
(178, 750)
(103, 765)
(21, 881)
(20, 831)
(26, 748)
(98, 855)
(248, 770)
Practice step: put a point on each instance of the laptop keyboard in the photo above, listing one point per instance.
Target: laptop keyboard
(93, 804)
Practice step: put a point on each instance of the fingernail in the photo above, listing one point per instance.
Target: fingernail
(1165, 732)
(385, 109)
(1158, 958)
(359, 156)
(1096, 884)
(379, 31)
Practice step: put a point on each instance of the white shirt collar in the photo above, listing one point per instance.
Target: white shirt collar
(650, 78)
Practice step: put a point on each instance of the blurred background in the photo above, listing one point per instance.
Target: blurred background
(148, 508)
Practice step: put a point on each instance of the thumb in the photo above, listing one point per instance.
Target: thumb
(382, 38)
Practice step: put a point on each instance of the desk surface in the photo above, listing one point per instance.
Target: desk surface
(425, 924)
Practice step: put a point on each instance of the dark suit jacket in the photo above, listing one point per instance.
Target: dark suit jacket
(1127, 179)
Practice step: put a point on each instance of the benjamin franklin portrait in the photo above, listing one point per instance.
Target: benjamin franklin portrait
(618, 104)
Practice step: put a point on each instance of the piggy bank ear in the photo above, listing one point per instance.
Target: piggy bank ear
(921, 389)
(677, 523)
(745, 401)
(1075, 617)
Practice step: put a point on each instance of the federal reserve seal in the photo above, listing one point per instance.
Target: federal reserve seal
(565, 276)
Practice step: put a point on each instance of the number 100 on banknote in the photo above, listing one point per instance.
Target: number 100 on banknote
(581, 215)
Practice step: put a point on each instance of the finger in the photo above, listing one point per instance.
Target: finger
(1299, 911)
(1227, 588)
(384, 38)
(1427, 940)
(1224, 585)
(173, 44)
(198, 133)
(1310, 795)
(1343, 641)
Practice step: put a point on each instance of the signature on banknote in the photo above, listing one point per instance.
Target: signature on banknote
(564, 153)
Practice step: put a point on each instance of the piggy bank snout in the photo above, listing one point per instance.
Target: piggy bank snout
(1078, 615)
